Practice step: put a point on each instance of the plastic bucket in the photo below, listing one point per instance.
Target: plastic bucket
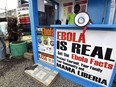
(18, 48)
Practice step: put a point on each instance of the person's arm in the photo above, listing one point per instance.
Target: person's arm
(67, 21)
(67, 18)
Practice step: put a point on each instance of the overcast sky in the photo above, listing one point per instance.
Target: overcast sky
(9, 4)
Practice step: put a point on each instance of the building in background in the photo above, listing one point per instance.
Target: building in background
(23, 15)
(9, 13)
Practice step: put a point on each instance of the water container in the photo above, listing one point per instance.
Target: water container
(18, 49)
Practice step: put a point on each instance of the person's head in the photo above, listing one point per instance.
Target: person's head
(76, 8)
(12, 21)
(58, 22)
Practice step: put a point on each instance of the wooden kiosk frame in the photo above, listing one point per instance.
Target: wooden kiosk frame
(95, 10)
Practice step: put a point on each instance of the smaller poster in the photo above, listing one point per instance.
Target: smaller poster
(46, 58)
(46, 45)
(83, 4)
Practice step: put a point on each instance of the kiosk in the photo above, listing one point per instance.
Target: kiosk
(88, 59)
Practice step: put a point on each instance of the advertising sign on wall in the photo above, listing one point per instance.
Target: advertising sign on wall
(90, 56)
(46, 45)
(23, 15)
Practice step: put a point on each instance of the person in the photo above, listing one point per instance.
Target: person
(71, 16)
(3, 47)
(58, 21)
(12, 30)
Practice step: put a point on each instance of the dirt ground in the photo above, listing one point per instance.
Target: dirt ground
(12, 75)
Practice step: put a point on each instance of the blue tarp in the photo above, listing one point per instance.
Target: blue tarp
(2, 33)
(2, 54)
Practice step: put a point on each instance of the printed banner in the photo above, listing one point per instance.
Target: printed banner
(46, 45)
(90, 56)
(23, 15)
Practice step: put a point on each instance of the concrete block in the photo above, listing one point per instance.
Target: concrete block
(43, 75)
